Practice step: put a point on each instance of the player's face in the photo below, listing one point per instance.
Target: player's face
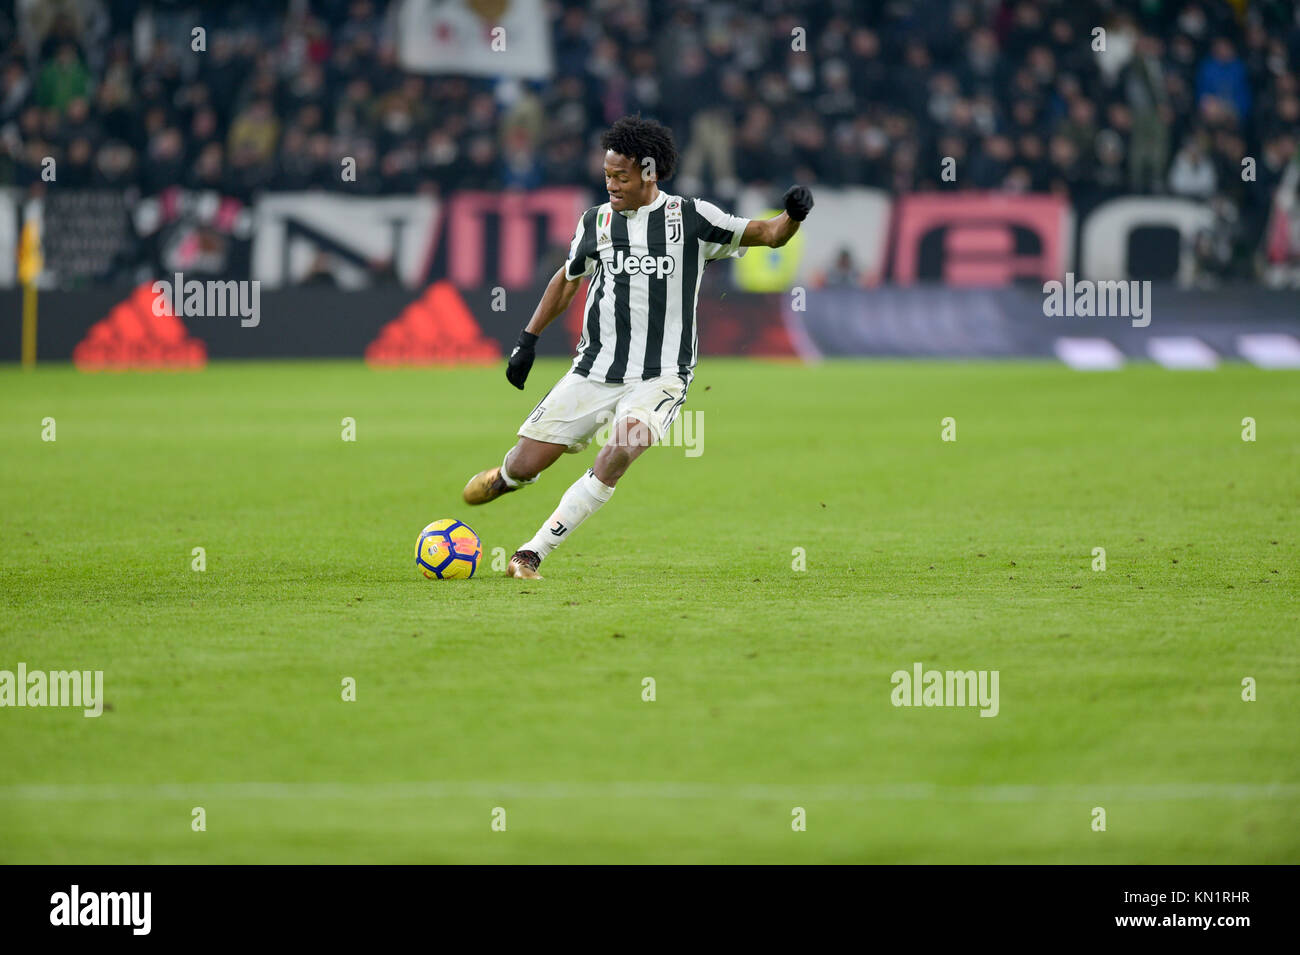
(629, 187)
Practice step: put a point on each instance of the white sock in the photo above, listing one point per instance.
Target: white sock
(583, 498)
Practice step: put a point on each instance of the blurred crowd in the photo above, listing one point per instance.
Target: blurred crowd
(758, 93)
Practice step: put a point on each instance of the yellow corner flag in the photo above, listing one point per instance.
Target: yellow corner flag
(31, 262)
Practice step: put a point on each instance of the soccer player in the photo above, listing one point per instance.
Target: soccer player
(645, 251)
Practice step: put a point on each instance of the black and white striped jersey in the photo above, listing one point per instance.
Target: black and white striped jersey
(639, 320)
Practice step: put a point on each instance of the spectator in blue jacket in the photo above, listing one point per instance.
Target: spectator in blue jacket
(1223, 75)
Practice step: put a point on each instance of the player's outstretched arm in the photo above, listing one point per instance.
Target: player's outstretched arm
(776, 232)
(555, 300)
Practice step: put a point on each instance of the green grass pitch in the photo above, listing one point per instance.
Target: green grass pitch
(1119, 689)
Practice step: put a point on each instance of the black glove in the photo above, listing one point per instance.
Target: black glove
(521, 359)
(798, 202)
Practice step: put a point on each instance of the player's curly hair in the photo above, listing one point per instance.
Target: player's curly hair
(636, 138)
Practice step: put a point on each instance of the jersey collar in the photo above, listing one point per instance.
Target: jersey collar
(636, 213)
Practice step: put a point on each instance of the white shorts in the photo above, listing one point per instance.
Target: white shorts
(577, 407)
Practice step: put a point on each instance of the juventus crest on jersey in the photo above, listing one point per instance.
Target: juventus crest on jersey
(639, 319)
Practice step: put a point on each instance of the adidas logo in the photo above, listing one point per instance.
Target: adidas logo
(436, 328)
(135, 335)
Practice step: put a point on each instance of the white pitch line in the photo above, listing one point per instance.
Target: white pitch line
(913, 792)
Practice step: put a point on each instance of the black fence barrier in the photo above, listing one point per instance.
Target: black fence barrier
(911, 321)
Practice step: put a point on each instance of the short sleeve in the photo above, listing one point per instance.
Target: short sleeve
(720, 232)
(582, 252)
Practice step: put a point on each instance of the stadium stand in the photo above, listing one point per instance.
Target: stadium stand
(1013, 91)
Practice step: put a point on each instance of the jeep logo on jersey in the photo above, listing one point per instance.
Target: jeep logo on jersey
(658, 266)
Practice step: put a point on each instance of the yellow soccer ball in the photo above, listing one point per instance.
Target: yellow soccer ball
(448, 550)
